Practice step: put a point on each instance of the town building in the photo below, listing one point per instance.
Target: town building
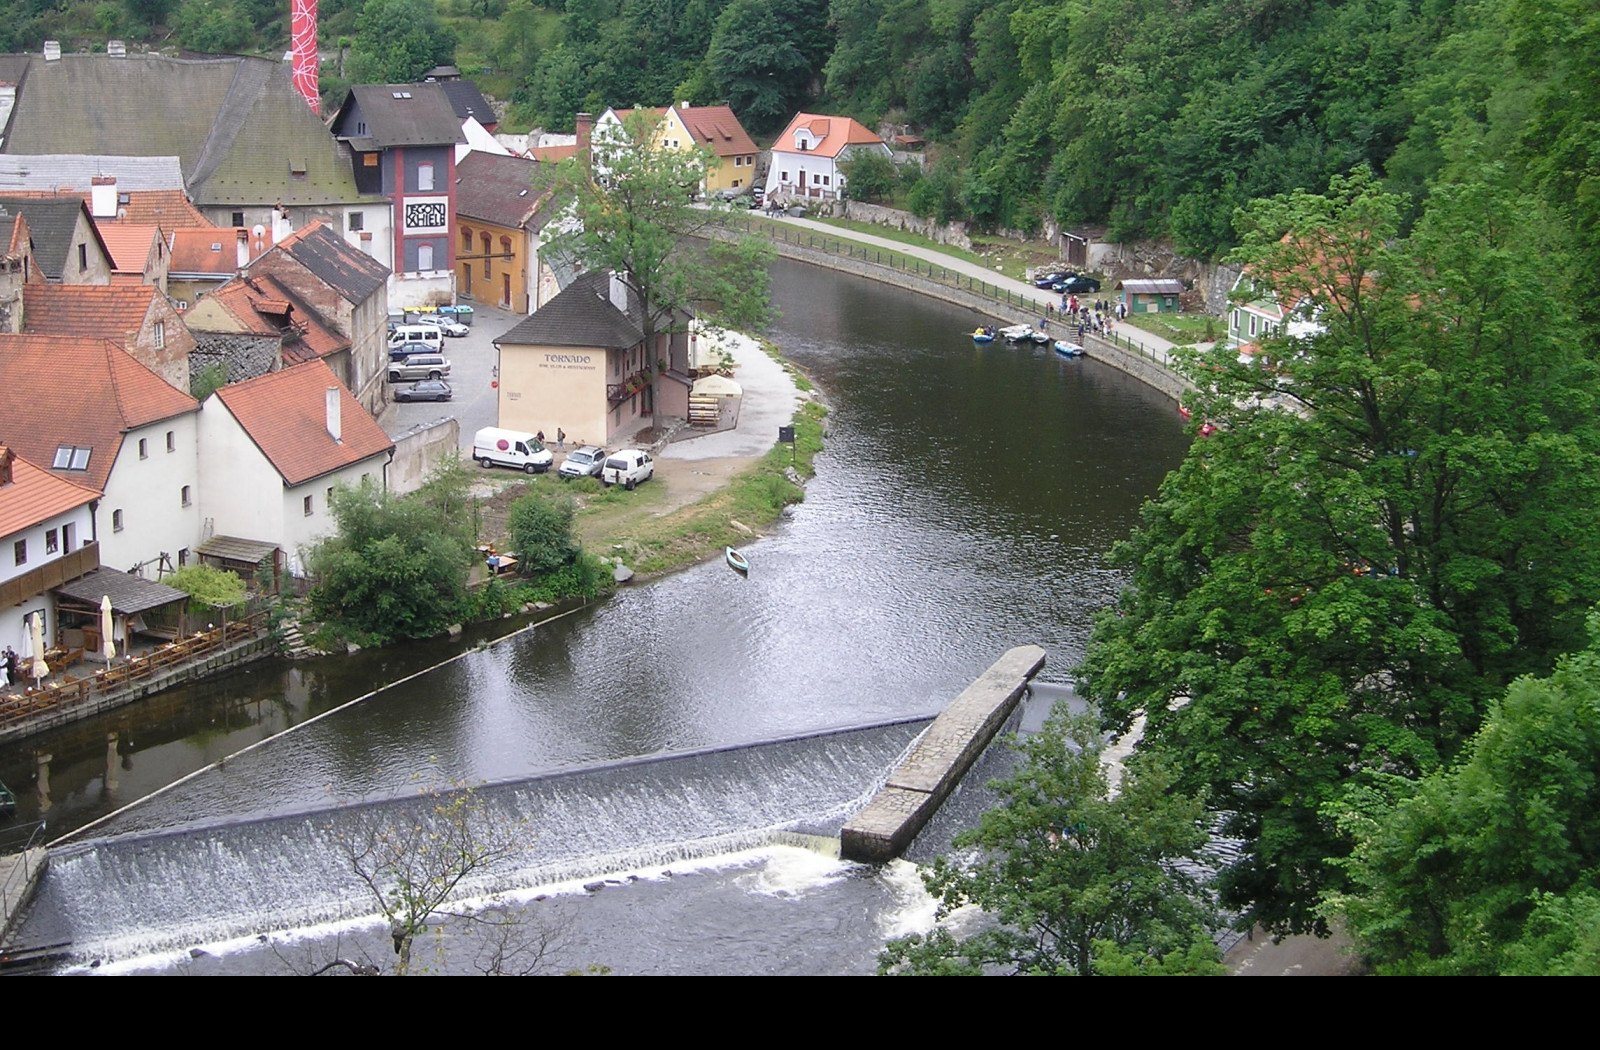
(1150, 295)
(808, 154)
(285, 442)
(66, 244)
(203, 259)
(46, 539)
(403, 137)
(17, 268)
(137, 317)
(711, 129)
(501, 216)
(254, 325)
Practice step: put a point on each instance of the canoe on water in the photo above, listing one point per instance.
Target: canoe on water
(736, 561)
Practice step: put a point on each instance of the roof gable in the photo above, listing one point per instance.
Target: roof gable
(582, 315)
(717, 129)
(35, 495)
(498, 189)
(355, 275)
(285, 414)
(53, 222)
(829, 135)
(398, 115)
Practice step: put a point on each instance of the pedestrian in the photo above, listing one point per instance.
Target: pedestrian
(539, 437)
(561, 438)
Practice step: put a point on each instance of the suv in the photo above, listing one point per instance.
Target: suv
(627, 467)
(418, 366)
(585, 462)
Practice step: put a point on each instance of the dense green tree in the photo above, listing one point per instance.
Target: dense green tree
(1389, 525)
(754, 64)
(1076, 878)
(399, 40)
(212, 26)
(541, 532)
(1494, 865)
(635, 217)
(395, 568)
(869, 176)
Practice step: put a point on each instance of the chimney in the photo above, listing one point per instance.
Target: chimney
(103, 196)
(619, 293)
(52, 50)
(303, 49)
(331, 399)
(684, 104)
(116, 49)
(242, 237)
(585, 128)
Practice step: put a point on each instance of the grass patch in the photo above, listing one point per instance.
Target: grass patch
(1181, 329)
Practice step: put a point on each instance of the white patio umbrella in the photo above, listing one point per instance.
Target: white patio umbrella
(36, 635)
(108, 644)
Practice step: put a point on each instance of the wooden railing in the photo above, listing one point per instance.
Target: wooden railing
(19, 706)
(50, 575)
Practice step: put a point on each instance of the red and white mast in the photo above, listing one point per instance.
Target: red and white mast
(303, 46)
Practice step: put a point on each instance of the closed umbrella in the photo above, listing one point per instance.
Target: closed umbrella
(36, 634)
(108, 644)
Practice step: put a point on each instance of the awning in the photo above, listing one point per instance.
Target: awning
(129, 594)
(717, 386)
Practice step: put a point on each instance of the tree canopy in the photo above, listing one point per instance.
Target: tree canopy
(1390, 523)
(399, 40)
(1074, 878)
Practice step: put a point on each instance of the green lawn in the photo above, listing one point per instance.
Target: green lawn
(1182, 329)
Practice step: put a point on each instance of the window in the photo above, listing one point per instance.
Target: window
(488, 245)
(144, 448)
(172, 442)
(424, 257)
(116, 521)
(83, 257)
(1252, 324)
(71, 457)
(19, 552)
(466, 240)
(425, 176)
(784, 177)
(330, 497)
(161, 335)
(185, 496)
(369, 160)
(358, 221)
(306, 505)
(52, 541)
(68, 532)
(183, 557)
(238, 218)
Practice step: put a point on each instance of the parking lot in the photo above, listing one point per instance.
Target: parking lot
(472, 364)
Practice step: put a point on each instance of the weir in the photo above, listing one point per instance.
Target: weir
(138, 894)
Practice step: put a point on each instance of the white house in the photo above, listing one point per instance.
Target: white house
(274, 448)
(87, 411)
(46, 539)
(807, 156)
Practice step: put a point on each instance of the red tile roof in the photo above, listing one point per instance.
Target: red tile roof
(552, 154)
(108, 311)
(168, 209)
(716, 128)
(211, 250)
(35, 495)
(60, 391)
(263, 306)
(285, 414)
(833, 134)
(129, 244)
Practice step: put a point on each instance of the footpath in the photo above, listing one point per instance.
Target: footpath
(1152, 345)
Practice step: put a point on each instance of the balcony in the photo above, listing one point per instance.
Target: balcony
(619, 392)
(50, 575)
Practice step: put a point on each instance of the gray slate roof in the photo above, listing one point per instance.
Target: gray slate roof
(129, 594)
(467, 101)
(400, 115)
(234, 122)
(497, 189)
(75, 171)
(354, 274)
(582, 315)
(51, 223)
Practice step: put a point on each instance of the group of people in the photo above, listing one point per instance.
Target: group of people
(10, 667)
(1096, 316)
(561, 438)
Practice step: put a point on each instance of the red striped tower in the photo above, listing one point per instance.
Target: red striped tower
(303, 45)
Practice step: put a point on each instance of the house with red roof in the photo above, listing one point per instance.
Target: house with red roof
(46, 539)
(138, 253)
(137, 317)
(86, 411)
(275, 448)
(806, 157)
(204, 258)
(502, 218)
(711, 129)
(255, 325)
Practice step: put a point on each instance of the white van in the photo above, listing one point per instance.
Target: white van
(510, 448)
(430, 334)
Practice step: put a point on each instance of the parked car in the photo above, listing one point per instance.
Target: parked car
(418, 333)
(418, 366)
(424, 390)
(1079, 285)
(404, 350)
(1051, 279)
(585, 462)
(449, 326)
(627, 467)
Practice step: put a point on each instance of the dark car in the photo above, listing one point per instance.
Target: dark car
(424, 390)
(1078, 285)
(1051, 279)
(405, 350)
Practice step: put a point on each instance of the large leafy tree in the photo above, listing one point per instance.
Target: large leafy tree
(633, 214)
(1392, 522)
(755, 63)
(1075, 878)
(399, 40)
(1494, 865)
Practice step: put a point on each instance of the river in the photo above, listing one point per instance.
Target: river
(964, 504)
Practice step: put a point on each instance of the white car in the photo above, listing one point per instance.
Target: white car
(627, 467)
(585, 462)
(454, 329)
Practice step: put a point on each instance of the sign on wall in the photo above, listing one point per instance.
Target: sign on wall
(427, 214)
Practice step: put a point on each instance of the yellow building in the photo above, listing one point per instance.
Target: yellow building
(499, 219)
(712, 128)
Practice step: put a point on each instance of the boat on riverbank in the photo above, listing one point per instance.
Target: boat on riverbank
(736, 561)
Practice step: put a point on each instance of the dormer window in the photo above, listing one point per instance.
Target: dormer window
(71, 457)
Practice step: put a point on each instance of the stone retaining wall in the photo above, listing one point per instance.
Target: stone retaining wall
(920, 784)
(421, 449)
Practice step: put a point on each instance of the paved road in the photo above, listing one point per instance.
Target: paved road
(472, 364)
(768, 403)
